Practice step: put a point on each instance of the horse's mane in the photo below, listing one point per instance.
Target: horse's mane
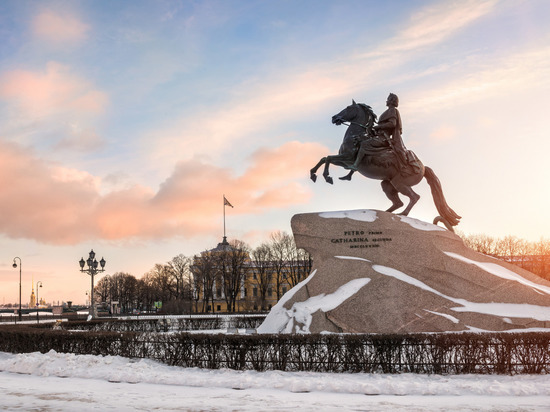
(368, 109)
(371, 117)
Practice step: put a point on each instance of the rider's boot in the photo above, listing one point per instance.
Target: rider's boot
(348, 176)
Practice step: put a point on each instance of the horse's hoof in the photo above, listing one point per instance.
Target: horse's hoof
(313, 177)
(346, 177)
(329, 180)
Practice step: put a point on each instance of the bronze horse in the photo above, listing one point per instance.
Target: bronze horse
(383, 166)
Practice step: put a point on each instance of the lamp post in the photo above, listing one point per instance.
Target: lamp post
(92, 270)
(15, 266)
(37, 301)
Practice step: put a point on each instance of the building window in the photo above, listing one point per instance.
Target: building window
(255, 292)
(284, 290)
(219, 308)
(270, 291)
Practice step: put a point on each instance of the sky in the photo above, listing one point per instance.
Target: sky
(123, 124)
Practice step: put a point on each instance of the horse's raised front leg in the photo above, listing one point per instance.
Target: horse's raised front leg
(338, 160)
(328, 160)
(312, 172)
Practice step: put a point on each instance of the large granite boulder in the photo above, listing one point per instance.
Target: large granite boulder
(376, 272)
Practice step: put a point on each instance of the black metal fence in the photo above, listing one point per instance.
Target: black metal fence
(42, 317)
(486, 353)
(169, 324)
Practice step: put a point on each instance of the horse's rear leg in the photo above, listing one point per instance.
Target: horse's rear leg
(392, 194)
(407, 191)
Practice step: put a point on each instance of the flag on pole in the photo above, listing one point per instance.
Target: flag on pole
(226, 202)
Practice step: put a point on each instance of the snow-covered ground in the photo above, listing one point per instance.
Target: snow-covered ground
(63, 382)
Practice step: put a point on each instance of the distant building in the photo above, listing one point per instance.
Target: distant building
(32, 302)
(227, 279)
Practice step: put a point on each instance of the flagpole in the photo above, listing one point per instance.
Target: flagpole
(224, 238)
(225, 203)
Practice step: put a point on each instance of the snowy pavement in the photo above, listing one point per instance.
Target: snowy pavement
(64, 382)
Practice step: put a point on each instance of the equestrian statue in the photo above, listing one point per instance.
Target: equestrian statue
(377, 151)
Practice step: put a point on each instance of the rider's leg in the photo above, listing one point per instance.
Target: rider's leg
(360, 155)
(348, 176)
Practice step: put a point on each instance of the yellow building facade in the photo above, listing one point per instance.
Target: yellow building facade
(243, 284)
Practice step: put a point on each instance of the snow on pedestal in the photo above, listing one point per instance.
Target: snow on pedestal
(376, 272)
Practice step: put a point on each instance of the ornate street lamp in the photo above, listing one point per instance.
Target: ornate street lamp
(37, 301)
(92, 270)
(15, 266)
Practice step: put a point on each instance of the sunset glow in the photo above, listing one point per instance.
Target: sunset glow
(124, 123)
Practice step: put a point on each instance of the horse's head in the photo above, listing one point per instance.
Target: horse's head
(346, 115)
(358, 115)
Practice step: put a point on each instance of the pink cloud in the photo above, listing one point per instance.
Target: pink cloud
(53, 90)
(40, 201)
(274, 165)
(129, 213)
(80, 139)
(270, 181)
(53, 204)
(59, 29)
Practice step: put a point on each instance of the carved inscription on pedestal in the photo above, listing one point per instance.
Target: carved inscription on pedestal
(360, 239)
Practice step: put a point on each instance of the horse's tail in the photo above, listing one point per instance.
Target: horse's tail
(447, 215)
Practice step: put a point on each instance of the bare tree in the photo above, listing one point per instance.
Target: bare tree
(532, 256)
(299, 266)
(102, 289)
(180, 265)
(280, 243)
(508, 247)
(161, 281)
(123, 290)
(262, 271)
(481, 243)
(299, 263)
(145, 295)
(231, 265)
(203, 269)
(541, 251)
